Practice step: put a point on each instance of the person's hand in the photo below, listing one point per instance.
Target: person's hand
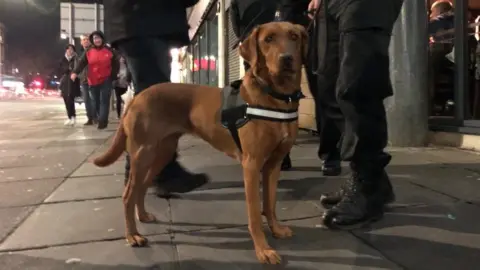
(73, 77)
(312, 7)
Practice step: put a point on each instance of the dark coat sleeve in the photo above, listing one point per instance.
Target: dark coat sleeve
(82, 63)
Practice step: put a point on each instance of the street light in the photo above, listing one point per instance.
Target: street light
(63, 35)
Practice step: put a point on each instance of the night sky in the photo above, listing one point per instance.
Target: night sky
(32, 38)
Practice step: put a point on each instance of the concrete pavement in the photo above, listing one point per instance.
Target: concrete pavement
(58, 211)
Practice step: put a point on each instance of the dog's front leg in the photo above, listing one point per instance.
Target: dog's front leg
(271, 174)
(251, 175)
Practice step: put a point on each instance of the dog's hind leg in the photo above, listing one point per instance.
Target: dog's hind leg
(251, 173)
(163, 154)
(140, 162)
(271, 174)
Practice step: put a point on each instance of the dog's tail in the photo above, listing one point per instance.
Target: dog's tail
(117, 147)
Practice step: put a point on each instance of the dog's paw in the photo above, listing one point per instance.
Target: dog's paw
(136, 240)
(281, 232)
(268, 256)
(146, 218)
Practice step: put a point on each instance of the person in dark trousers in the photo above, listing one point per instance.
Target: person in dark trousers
(144, 32)
(295, 12)
(121, 84)
(102, 69)
(70, 89)
(85, 88)
(246, 15)
(353, 81)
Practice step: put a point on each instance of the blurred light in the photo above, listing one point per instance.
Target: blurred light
(63, 35)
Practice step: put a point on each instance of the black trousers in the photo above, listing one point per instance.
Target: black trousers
(69, 101)
(354, 78)
(148, 61)
(119, 91)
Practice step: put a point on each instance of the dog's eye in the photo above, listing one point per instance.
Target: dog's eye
(293, 36)
(268, 38)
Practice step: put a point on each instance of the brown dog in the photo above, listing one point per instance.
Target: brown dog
(157, 117)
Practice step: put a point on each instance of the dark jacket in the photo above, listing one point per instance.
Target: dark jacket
(101, 61)
(441, 23)
(67, 86)
(83, 74)
(295, 11)
(246, 14)
(126, 19)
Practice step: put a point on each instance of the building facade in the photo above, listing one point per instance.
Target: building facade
(451, 103)
(2, 49)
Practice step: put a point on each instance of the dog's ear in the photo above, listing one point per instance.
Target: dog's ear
(304, 41)
(248, 49)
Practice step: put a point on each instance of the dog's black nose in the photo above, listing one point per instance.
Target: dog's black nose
(286, 59)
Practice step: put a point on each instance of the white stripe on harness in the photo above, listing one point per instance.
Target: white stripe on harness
(272, 114)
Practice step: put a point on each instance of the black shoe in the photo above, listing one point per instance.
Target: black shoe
(88, 123)
(102, 125)
(175, 179)
(387, 194)
(332, 168)
(286, 163)
(362, 203)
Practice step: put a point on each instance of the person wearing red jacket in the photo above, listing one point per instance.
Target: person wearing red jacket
(102, 68)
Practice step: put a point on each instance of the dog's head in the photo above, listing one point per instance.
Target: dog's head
(277, 47)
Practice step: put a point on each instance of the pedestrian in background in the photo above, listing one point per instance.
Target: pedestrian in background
(70, 89)
(121, 84)
(92, 113)
(102, 69)
(144, 32)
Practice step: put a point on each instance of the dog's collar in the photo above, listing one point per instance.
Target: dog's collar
(295, 96)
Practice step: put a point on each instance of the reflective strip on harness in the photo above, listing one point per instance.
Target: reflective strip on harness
(272, 115)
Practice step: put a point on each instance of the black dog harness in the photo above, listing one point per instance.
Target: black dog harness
(236, 112)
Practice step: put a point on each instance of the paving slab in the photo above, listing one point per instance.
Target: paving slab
(23, 193)
(108, 255)
(88, 188)
(36, 172)
(226, 207)
(89, 169)
(440, 237)
(76, 222)
(310, 248)
(11, 218)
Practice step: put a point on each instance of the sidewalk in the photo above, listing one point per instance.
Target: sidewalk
(60, 212)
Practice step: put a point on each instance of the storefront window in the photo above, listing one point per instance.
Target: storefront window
(448, 98)
(203, 59)
(195, 66)
(213, 51)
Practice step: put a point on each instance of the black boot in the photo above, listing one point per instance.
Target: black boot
(175, 179)
(332, 168)
(362, 201)
(286, 163)
(329, 200)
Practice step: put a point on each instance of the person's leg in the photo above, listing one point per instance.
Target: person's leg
(118, 96)
(93, 92)
(67, 109)
(88, 104)
(105, 95)
(73, 113)
(363, 83)
(330, 121)
(149, 63)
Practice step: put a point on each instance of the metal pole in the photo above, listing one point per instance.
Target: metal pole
(461, 56)
(97, 26)
(407, 110)
(222, 40)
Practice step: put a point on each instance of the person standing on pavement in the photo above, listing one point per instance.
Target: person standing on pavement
(92, 113)
(121, 84)
(102, 68)
(70, 89)
(144, 32)
(353, 81)
(246, 15)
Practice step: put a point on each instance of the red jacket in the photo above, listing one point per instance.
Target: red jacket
(102, 65)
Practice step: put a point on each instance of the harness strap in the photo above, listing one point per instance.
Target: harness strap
(234, 132)
(296, 96)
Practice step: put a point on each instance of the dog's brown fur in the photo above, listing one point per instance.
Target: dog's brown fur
(156, 119)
